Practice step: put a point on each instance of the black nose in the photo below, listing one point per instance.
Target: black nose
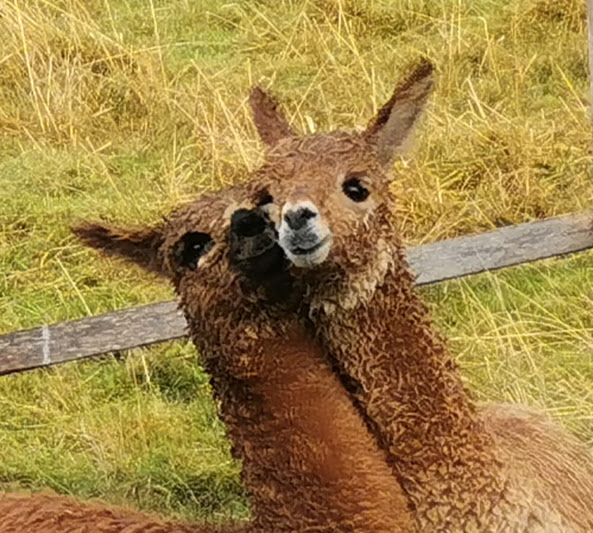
(246, 223)
(298, 218)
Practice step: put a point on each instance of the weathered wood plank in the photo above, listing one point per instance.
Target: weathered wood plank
(505, 247)
(120, 330)
(161, 322)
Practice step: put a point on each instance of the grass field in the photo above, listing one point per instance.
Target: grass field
(120, 109)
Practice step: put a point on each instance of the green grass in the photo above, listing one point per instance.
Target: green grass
(120, 109)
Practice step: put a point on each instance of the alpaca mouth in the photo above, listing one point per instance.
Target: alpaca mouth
(253, 246)
(300, 250)
(307, 255)
(306, 245)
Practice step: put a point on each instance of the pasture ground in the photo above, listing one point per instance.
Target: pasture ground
(120, 109)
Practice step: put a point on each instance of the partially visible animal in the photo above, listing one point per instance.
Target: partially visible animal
(464, 468)
(309, 462)
(53, 513)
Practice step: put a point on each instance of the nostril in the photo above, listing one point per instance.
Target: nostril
(308, 213)
(298, 218)
(246, 223)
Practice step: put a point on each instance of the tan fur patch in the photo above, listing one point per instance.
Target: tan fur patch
(358, 288)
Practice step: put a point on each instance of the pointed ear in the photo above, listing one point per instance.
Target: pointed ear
(395, 121)
(139, 246)
(270, 122)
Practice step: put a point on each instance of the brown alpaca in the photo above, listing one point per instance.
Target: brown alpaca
(309, 462)
(463, 468)
(51, 513)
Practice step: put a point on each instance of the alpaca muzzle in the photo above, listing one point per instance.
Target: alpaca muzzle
(303, 235)
(253, 245)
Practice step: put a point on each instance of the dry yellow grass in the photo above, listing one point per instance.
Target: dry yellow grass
(123, 108)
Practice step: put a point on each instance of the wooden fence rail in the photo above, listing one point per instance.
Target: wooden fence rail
(141, 326)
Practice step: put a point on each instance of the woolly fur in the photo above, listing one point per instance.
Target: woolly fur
(50, 513)
(309, 462)
(463, 468)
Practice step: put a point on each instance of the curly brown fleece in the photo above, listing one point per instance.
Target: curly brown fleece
(52, 513)
(463, 468)
(309, 462)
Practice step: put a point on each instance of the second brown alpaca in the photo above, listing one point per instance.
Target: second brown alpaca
(309, 462)
(463, 467)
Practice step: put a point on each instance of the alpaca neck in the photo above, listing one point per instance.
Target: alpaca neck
(307, 457)
(402, 375)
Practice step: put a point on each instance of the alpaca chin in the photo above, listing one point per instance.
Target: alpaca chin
(306, 247)
(316, 256)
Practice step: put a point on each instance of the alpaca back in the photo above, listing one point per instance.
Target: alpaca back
(552, 461)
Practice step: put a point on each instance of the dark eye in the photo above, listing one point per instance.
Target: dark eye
(191, 247)
(354, 189)
(264, 198)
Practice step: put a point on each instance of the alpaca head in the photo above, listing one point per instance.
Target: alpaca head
(221, 259)
(332, 190)
(198, 242)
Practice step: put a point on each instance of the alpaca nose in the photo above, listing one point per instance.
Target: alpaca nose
(247, 223)
(298, 218)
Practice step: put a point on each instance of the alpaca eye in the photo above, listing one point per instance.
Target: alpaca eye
(191, 247)
(355, 190)
(264, 199)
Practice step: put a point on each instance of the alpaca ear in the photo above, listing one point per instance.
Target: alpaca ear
(139, 246)
(270, 122)
(395, 121)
